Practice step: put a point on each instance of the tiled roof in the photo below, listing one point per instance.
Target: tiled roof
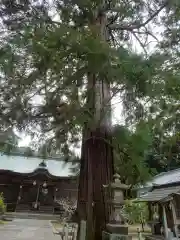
(172, 176)
(159, 194)
(27, 165)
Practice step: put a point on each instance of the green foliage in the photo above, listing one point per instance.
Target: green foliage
(142, 152)
(130, 150)
(136, 212)
(50, 59)
(57, 56)
(2, 204)
(163, 154)
(48, 64)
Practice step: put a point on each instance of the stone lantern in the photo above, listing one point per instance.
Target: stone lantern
(116, 228)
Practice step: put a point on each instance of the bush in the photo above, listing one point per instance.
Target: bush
(2, 205)
(69, 207)
(136, 212)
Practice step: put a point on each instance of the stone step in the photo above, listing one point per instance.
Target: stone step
(46, 209)
(30, 215)
(22, 207)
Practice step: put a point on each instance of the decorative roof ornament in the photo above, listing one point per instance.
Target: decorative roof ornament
(43, 164)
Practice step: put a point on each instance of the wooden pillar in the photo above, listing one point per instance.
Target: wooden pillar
(174, 217)
(54, 200)
(165, 221)
(37, 197)
(19, 195)
(149, 211)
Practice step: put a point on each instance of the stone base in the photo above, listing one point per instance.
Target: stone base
(115, 236)
(117, 228)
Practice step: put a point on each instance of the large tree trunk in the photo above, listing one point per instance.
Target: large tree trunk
(100, 172)
(97, 156)
(96, 170)
(82, 190)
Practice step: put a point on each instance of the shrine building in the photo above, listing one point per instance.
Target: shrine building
(33, 184)
(162, 194)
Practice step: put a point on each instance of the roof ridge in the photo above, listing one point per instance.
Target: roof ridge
(23, 165)
(32, 156)
(56, 158)
(170, 171)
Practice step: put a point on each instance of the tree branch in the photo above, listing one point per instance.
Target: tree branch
(137, 26)
(113, 19)
(140, 43)
(148, 33)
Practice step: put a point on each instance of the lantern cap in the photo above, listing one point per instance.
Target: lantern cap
(116, 184)
(117, 177)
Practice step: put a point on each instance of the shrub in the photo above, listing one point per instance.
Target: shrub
(136, 212)
(69, 207)
(2, 204)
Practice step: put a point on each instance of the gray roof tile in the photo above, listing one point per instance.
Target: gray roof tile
(165, 178)
(159, 194)
(21, 164)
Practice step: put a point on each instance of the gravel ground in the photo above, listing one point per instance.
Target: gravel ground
(27, 229)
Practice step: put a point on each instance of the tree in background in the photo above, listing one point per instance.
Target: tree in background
(130, 150)
(8, 140)
(163, 154)
(62, 63)
(143, 153)
(2, 205)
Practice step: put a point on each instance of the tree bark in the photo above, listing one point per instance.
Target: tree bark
(100, 158)
(97, 166)
(82, 190)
